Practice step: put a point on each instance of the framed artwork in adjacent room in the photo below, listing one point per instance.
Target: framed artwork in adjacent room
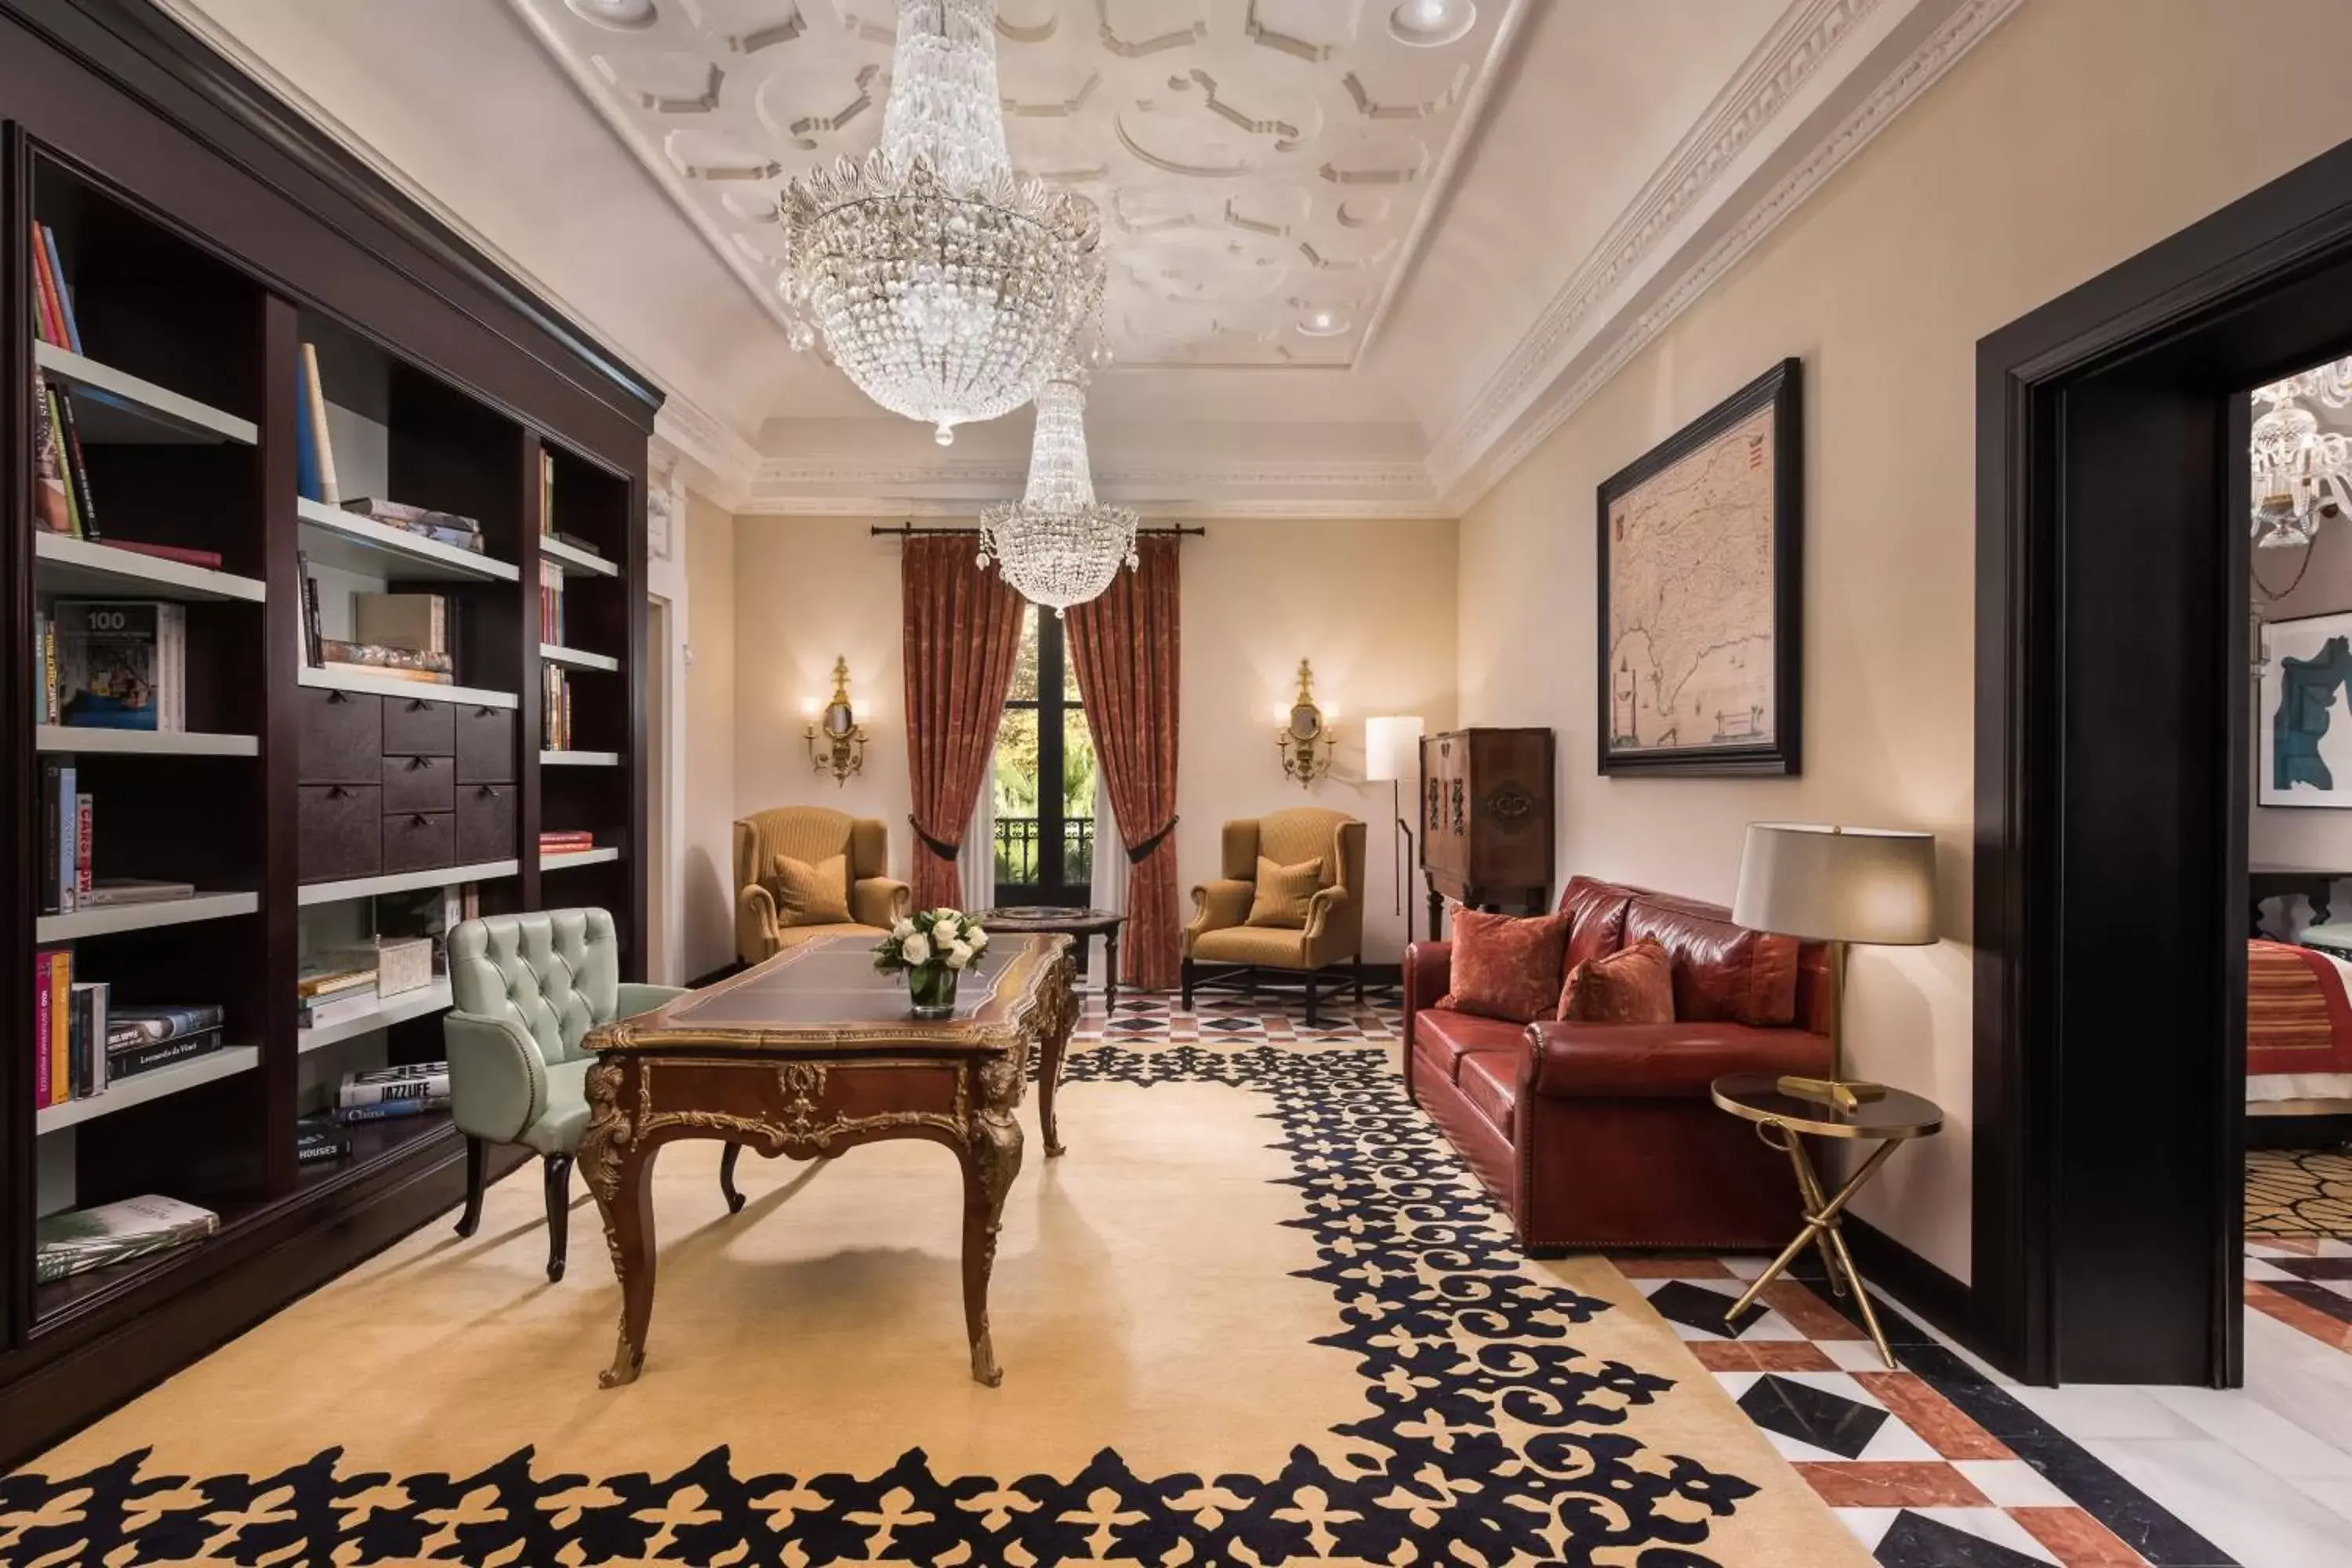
(2302, 715)
(1699, 623)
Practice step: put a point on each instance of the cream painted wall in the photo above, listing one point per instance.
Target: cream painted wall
(707, 789)
(1372, 604)
(2077, 134)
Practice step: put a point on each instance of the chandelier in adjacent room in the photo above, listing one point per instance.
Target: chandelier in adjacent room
(943, 286)
(1057, 545)
(2301, 474)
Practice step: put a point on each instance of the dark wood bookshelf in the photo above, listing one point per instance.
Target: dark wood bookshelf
(205, 234)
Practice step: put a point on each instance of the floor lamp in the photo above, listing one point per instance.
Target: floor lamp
(1392, 752)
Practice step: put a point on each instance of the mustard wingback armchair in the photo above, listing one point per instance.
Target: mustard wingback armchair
(1222, 947)
(814, 833)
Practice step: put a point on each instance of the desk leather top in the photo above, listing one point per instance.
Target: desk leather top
(825, 995)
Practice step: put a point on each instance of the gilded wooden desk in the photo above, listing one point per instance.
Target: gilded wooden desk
(813, 1053)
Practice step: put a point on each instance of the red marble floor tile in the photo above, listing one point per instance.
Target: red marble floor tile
(1909, 1483)
(1790, 1355)
(2076, 1539)
(2327, 1330)
(1808, 1313)
(1942, 1425)
(2301, 1245)
(1672, 1267)
(1722, 1356)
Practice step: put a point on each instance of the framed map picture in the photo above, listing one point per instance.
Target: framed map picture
(2303, 741)
(1699, 627)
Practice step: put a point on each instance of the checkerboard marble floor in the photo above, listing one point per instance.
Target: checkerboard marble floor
(1942, 1462)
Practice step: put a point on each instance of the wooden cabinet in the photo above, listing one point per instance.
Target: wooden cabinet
(1487, 819)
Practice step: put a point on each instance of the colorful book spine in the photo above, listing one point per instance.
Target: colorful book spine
(50, 316)
(85, 824)
(57, 281)
(77, 469)
(42, 963)
(60, 999)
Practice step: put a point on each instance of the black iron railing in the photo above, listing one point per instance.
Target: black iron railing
(1020, 848)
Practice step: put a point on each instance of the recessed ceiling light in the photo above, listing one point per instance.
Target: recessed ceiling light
(1427, 24)
(1322, 323)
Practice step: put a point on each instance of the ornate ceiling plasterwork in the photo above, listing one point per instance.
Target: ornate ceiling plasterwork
(1264, 167)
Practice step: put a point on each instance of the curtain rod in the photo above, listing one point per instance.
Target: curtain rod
(908, 531)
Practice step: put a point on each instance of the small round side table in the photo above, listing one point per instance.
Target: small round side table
(1783, 1121)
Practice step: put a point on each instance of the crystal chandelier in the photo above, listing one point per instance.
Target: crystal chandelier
(2300, 475)
(943, 286)
(1056, 544)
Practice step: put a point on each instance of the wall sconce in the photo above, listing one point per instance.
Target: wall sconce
(837, 739)
(1305, 739)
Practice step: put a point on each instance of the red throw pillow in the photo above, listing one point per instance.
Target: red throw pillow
(1507, 967)
(1632, 986)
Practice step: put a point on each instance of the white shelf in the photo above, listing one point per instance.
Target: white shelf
(65, 565)
(107, 919)
(404, 882)
(392, 686)
(556, 860)
(432, 998)
(113, 407)
(574, 561)
(372, 549)
(576, 658)
(157, 743)
(579, 758)
(153, 1084)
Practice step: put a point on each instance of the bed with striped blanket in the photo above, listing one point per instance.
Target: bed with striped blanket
(2299, 1029)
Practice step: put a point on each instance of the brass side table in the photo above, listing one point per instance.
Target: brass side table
(1782, 1120)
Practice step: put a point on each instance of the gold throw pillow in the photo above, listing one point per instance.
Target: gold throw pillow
(810, 895)
(1284, 893)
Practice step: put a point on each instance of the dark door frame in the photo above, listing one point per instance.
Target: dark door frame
(2112, 758)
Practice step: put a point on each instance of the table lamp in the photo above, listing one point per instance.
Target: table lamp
(1837, 885)
(1392, 752)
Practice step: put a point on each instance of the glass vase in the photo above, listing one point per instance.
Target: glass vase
(931, 988)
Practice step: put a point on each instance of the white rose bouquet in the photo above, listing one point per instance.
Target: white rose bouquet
(933, 947)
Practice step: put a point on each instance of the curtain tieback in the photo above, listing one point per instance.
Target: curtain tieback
(938, 846)
(1142, 852)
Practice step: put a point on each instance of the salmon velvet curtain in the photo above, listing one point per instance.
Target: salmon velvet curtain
(1124, 649)
(963, 628)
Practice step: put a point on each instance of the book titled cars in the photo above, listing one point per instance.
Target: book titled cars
(79, 1240)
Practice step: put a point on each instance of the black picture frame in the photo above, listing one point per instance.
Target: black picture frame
(1779, 390)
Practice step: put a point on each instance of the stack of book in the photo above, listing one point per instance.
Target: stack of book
(79, 1240)
(62, 495)
(566, 841)
(68, 1017)
(320, 1140)
(389, 1092)
(449, 528)
(114, 664)
(550, 604)
(140, 1039)
(334, 996)
(409, 636)
(554, 709)
(68, 822)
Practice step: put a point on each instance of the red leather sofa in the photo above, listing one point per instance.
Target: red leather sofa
(1601, 1135)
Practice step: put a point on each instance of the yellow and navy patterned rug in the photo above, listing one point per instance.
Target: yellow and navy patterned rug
(1258, 1315)
(2299, 1191)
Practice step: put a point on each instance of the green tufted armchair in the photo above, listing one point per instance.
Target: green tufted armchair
(525, 990)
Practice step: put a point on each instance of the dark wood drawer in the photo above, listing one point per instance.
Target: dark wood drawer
(419, 841)
(418, 784)
(414, 727)
(486, 822)
(340, 736)
(338, 831)
(486, 749)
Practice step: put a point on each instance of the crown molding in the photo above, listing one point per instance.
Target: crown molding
(720, 463)
(1302, 509)
(1600, 319)
(960, 487)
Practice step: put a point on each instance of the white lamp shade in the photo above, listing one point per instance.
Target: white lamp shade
(1870, 884)
(1391, 746)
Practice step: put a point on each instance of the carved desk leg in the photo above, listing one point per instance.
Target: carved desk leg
(620, 1176)
(991, 1158)
(1059, 1020)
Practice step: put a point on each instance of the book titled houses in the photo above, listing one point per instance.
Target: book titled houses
(121, 664)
